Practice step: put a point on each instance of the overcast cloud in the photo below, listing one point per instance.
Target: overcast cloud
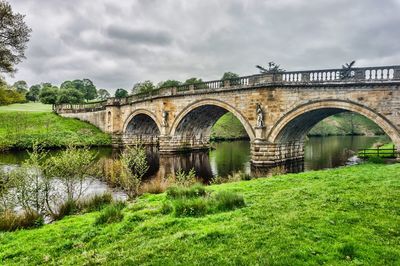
(118, 43)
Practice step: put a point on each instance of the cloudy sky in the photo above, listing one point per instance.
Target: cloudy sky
(118, 43)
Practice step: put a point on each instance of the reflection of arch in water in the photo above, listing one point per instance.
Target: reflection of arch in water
(196, 120)
(297, 123)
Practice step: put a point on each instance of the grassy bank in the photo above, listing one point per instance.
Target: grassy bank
(340, 216)
(228, 127)
(25, 124)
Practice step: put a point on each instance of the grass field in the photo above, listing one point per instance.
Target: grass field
(346, 216)
(22, 125)
(26, 107)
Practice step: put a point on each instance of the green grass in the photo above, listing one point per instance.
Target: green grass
(228, 127)
(20, 130)
(346, 216)
(26, 107)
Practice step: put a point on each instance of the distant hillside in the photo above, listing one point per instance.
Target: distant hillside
(229, 127)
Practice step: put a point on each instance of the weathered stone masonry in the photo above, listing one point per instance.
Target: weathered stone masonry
(292, 103)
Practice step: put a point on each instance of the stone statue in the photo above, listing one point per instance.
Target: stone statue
(165, 119)
(260, 116)
(345, 73)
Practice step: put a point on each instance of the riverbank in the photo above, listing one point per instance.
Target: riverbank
(22, 129)
(335, 216)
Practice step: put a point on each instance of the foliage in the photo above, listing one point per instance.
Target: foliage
(14, 35)
(313, 218)
(185, 179)
(175, 192)
(143, 87)
(228, 127)
(84, 86)
(228, 200)
(103, 94)
(191, 207)
(70, 95)
(20, 86)
(71, 167)
(135, 166)
(33, 93)
(96, 202)
(121, 93)
(229, 75)
(21, 130)
(11, 221)
(111, 214)
(376, 160)
(272, 68)
(169, 83)
(9, 96)
(196, 82)
(48, 94)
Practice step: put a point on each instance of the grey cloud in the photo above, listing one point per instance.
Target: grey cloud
(119, 43)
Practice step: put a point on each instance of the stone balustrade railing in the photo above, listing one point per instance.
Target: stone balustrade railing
(326, 76)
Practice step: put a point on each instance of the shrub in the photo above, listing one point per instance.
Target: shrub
(166, 208)
(95, 203)
(185, 179)
(376, 160)
(68, 207)
(228, 200)
(176, 192)
(11, 221)
(191, 207)
(111, 214)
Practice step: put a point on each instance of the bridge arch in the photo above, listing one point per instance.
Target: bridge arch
(199, 117)
(295, 124)
(141, 122)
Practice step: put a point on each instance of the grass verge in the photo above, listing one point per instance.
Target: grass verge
(336, 217)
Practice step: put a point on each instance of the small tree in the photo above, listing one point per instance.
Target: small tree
(229, 75)
(197, 82)
(72, 167)
(33, 93)
(121, 93)
(134, 163)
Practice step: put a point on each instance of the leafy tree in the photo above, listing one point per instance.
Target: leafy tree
(21, 86)
(169, 83)
(33, 93)
(85, 86)
(143, 87)
(14, 34)
(49, 94)
(229, 75)
(103, 94)
(121, 93)
(70, 95)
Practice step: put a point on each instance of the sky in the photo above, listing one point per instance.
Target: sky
(118, 43)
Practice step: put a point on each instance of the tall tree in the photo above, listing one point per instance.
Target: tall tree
(33, 93)
(103, 94)
(229, 75)
(14, 35)
(169, 83)
(121, 93)
(70, 95)
(21, 86)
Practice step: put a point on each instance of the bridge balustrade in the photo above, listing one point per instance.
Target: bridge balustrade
(365, 74)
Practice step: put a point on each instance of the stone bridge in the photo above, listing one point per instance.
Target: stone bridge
(277, 109)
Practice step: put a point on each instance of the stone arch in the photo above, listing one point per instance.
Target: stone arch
(295, 124)
(141, 122)
(200, 116)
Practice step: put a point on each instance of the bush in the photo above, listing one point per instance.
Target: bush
(185, 179)
(177, 192)
(228, 200)
(376, 160)
(95, 203)
(191, 207)
(11, 221)
(166, 208)
(68, 207)
(111, 214)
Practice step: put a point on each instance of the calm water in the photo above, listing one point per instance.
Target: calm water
(228, 157)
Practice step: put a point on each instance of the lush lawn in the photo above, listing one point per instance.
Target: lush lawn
(26, 107)
(347, 216)
(385, 151)
(21, 129)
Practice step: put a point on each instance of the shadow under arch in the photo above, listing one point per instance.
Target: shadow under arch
(141, 122)
(294, 125)
(198, 118)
